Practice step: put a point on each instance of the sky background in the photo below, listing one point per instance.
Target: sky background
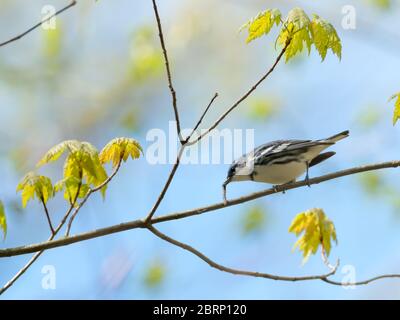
(101, 77)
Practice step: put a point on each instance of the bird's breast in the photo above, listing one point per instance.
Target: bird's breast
(279, 173)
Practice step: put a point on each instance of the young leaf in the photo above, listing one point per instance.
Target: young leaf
(396, 113)
(35, 185)
(325, 37)
(71, 185)
(120, 149)
(81, 167)
(295, 30)
(317, 231)
(55, 152)
(3, 220)
(262, 24)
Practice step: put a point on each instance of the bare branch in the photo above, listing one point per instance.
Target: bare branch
(202, 116)
(135, 224)
(36, 255)
(73, 3)
(166, 186)
(360, 283)
(47, 216)
(168, 69)
(220, 267)
(244, 97)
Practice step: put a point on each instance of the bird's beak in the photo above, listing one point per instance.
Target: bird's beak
(227, 181)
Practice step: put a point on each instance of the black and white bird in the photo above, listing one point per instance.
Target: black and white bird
(282, 161)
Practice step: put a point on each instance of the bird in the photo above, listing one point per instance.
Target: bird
(281, 162)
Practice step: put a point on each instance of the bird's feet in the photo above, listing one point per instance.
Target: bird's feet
(278, 188)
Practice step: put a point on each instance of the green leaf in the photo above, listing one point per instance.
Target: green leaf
(262, 24)
(120, 149)
(396, 113)
(35, 185)
(325, 37)
(71, 185)
(296, 30)
(297, 33)
(81, 167)
(316, 229)
(3, 220)
(55, 152)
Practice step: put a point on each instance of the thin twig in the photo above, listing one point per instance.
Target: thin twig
(220, 267)
(47, 216)
(168, 69)
(135, 224)
(99, 187)
(35, 256)
(360, 283)
(202, 116)
(244, 97)
(73, 2)
(166, 186)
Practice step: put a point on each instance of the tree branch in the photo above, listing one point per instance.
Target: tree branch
(360, 283)
(202, 116)
(135, 224)
(73, 3)
(166, 186)
(47, 216)
(220, 267)
(168, 69)
(244, 97)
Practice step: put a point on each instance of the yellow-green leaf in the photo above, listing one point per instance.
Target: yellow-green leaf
(325, 37)
(55, 152)
(3, 220)
(262, 24)
(70, 186)
(296, 30)
(82, 164)
(120, 149)
(35, 185)
(396, 113)
(315, 229)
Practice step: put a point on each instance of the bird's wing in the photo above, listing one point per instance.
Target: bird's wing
(290, 149)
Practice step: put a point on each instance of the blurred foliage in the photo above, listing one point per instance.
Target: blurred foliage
(371, 182)
(52, 42)
(3, 220)
(146, 57)
(396, 113)
(369, 117)
(382, 4)
(253, 220)
(316, 229)
(262, 108)
(155, 274)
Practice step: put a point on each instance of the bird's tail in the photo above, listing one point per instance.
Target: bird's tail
(339, 136)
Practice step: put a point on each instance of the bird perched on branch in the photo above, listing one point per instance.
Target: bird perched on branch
(282, 161)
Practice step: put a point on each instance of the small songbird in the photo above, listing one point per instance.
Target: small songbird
(282, 161)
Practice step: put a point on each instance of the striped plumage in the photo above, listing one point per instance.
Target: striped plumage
(281, 161)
